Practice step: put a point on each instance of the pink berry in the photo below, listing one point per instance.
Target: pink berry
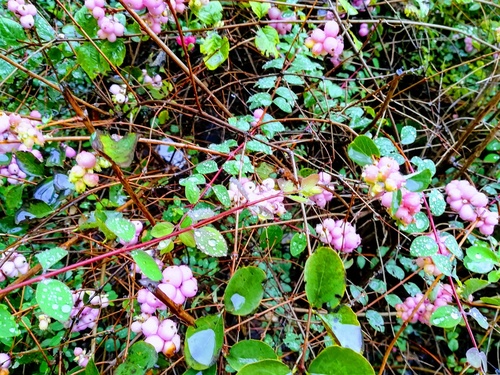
(189, 288)
(479, 200)
(172, 275)
(179, 297)
(467, 213)
(27, 21)
(274, 13)
(136, 327)
(150, 326)
(330, 44)
(331, 29)
(186, 272)
(156, 341)
(167, 329)
(86, 160)
(169, 290)
(98, 13)
(318, 35)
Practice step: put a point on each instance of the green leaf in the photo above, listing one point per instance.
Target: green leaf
(114, 51)
(418, 181)
(29, 164)
(187, 238)
(335, 360)
(495, 301)
(121, 151)
(363, 150)
(271, 237)
(244, 291)
(283, 105)
(8, 325)
(343, 326)
(233, 167)
(293, 80)
(209, 14)
(192, 193)
(91, 61)
(437, 202)
(266, 82)
(249, 351)
(270, 126)
(266, 40)
(420, 224)
(204, 342)
(87, 22)
(261, 99)
(11, 33)
(128, 368)
(376, 320)
(55, 299)
(325, 278)
(91, 368)
(196, 179)
(122, 228)
(34, 210)
(451, 244)
(209, 371)
(423, 246)
(162, 229)
(494, 145)
(222, 195)
(210, 241)
(147, 264)
(491, 158)
(50, 257)
(215, 50)
(257, 146)
(445, 317)
(443, 263)
(265, 367)
(472, 286)
(260, 9)
(143, 355)
(408, 135)
(480, 259)
(207, 166)
(424, 164)
(44, 30)
(298, 243)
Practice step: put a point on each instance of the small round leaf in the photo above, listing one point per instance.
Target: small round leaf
(244, 291)
(445, 317)
(265, 367)
(335, 360)
(210, 241)
(249, 351)
(54, 299)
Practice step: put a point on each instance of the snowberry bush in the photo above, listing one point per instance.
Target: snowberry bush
(243, 187)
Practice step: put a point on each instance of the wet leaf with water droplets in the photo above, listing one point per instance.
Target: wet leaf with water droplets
(204, 341)
(437, 203)
(423, 246)
(445, 317)
(147, 264)
(50, 257)
(298, 244)
(8, 325)
(54, 299)
(210, 241)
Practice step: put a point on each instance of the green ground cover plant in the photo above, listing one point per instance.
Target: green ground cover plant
(249, 187)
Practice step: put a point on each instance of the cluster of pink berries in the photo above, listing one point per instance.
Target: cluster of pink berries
(119, 93)
(425, 310)
(162, 334)
(325, 196)
(138, 229)
(178, 283)
(384, 178)
(83, 317)
(471, 205)
(81, 357)
(158, 11)
(267, 200)
(189, 41)
(281, 26)
(469, 48)
(4, 361)
(338, 233)
(25, 12)
(109, 27)
(409, 206)
(13, 266)
(326, 42)
(82, 174)
(258, 115)
(154, 81)
(15, 130)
